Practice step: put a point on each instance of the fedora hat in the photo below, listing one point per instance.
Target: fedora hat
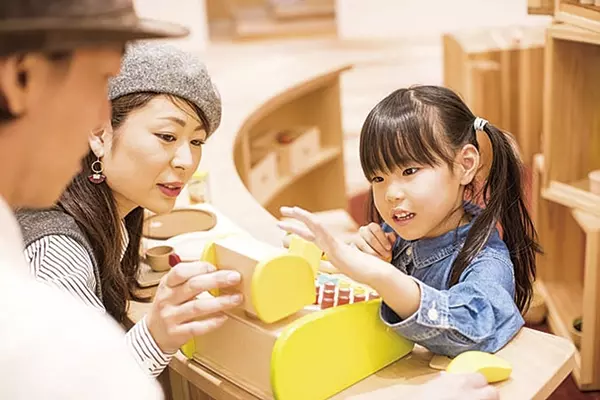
(50, 25)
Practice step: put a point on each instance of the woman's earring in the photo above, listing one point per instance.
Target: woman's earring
(97, 168)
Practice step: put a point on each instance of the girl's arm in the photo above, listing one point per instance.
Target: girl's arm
(62, 262)
(479, 313)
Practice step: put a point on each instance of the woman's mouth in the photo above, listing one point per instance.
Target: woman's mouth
(170, 189)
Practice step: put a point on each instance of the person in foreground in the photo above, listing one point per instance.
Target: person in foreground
(447, 278)
(164, 107)
(55, 59)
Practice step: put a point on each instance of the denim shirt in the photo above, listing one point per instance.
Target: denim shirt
(478, 313)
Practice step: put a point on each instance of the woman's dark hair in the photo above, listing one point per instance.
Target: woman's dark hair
(94, 209)
(428, 125)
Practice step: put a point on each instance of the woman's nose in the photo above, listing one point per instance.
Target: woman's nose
(183, 158)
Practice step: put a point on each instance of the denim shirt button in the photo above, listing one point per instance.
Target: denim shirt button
(409, 251)
(432, 314)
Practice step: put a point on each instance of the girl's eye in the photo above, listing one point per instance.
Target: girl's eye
(166, 137)
(377, 179)
(409, 171)
(197, 142)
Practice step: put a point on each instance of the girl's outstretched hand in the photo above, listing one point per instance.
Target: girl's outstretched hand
(349, 260)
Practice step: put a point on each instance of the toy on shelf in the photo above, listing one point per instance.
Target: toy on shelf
(287, 342)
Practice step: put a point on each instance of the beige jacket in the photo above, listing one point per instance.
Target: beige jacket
(51, 345)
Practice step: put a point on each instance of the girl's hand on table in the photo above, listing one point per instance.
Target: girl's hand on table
(178, 314)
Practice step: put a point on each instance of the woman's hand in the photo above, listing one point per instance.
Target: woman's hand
(177, 315)
(349, 260)
(371, 239)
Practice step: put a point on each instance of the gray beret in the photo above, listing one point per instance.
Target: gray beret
(166, 69)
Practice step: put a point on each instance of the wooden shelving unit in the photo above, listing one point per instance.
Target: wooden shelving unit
(568, 215)
(540, 7)
(574, 13)
(499, 73)
(319, 185)
(244, 20)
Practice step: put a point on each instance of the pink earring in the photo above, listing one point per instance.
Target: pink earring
(97, 168)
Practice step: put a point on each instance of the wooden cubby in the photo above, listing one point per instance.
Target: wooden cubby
(319, 186)
(567, 215)
(540, 7)
(574, 13)
(499, 73)
(572, 120)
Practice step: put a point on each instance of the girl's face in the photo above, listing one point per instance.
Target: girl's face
(423, 201)
(152, 155)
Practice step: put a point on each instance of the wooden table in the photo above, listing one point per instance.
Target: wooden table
(540, 363)
(253, 83)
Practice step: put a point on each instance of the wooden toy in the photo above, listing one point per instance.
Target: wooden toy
(177, 222)
(275, 284)
(158, 258)
(494, 368)
(295, 325)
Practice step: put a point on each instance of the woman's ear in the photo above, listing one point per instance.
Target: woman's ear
(468, 160)
(99, 138)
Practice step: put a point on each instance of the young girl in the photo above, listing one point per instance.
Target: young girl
(449, 281)
(164, 107)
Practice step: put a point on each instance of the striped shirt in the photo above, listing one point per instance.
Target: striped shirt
(61, 261)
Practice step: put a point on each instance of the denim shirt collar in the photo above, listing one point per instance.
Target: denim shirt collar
(427, 251)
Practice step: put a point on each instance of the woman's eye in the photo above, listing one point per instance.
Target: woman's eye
(166, 137)
(410, 171)
(198, 142)
(377, 179)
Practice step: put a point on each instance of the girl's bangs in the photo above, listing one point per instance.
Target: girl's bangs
(399, 133)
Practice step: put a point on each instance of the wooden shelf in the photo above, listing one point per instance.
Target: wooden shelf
(325, 156)
(569, 280)
(575, 13)
(573, 195)
(573, 34)
(303, 9)
(258, 23)
(540, 7)
(564, 303)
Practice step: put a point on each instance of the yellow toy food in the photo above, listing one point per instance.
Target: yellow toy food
(494, 368)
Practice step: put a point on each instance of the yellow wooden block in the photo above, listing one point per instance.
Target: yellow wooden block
(324, 353)
(282, 286)
(494, 368)
(308, 250)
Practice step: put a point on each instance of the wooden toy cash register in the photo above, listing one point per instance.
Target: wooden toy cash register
(299, 334)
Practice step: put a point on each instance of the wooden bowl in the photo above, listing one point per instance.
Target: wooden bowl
(177, 222)
(158, 258)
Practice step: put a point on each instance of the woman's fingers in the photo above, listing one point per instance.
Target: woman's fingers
(202, 307)
(180, 273)
(199, 328)
(198, 284)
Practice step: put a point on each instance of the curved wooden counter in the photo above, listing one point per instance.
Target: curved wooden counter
(270, 84)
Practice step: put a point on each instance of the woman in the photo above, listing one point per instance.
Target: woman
(164, 107)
